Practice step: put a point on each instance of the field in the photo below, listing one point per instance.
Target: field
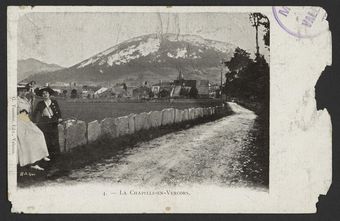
(89, 111)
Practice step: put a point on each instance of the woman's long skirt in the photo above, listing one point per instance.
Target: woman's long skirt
(31, 142)
(49, 126)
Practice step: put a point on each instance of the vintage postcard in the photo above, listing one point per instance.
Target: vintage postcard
(167, 109)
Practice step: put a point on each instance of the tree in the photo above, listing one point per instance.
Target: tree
(74, 93)
(236, 64)
(193, 93)
(183, 92)
(64, 93)
(163, 93)
(239, 61)
(151, 94)
(257, 20)
(124, 87)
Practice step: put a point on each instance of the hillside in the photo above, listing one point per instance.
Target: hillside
(148, 58)
(32, 66)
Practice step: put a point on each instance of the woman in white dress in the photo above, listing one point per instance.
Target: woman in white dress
(31, 142)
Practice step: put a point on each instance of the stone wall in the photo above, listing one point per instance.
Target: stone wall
(74, 133)
(132, 123)
(94, 131)
(108, 127)
(142, 121)
(61, 131)
(155, 118)
(178, 116)
(168, 116)
(122, 125)
(191, 113)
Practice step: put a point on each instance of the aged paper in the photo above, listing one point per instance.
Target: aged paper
(196, 159)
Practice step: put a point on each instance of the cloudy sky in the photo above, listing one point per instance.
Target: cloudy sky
(68, 38)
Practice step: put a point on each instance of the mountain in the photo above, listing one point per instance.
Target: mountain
(33, 66)
(149, 58)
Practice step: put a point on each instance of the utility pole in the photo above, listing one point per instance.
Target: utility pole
(221, 82)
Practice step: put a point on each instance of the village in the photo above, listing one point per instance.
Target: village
(143, 90)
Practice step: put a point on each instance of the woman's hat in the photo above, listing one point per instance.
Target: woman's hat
(48, 89)
(22, 87)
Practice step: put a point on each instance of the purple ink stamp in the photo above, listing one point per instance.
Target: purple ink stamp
(301, 22)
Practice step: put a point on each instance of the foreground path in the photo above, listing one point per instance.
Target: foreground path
(207, 153)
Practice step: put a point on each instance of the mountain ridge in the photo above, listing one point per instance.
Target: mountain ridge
(150, 57)
(31, 66)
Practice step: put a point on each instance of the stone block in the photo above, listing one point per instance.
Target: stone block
(172, 115)
(61, 132)
(185, 115)
(191, 113)
(155, 118)
(178, 116)
(201, 112)
(210, 111)
(109, 127)
(168, 116)
(218, 110)
(196, 115)
(213, 111)
(205, 111)
(75, 134)
(94, 131)
(142, 121)
(198, 112)
(132, 123)
(122, 124)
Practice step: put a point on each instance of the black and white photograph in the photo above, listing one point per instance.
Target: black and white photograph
(153, 103)
(174, 99)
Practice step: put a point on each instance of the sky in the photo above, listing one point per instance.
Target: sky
(67, 38)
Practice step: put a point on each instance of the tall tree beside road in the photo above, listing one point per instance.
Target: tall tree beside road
(238, 62)
(259, 20)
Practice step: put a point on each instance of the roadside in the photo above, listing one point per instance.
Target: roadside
(224, 150)
(100, 150)
(215, 153)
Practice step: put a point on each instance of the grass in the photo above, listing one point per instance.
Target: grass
(89, 111)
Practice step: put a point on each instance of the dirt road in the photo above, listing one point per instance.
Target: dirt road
(210, 153)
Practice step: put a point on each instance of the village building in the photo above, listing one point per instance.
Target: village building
(102, 92)
(141, 92)
(203, 88)
(89, 94)
(162, 85)
(123, 91)
(180, 83)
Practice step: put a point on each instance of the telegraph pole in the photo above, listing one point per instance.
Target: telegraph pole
(221, 82)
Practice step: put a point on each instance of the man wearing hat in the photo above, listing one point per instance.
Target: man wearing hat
(47, 115)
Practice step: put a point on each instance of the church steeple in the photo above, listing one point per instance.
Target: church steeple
(180, 76)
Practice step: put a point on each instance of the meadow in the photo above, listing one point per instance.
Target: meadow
(89, 111)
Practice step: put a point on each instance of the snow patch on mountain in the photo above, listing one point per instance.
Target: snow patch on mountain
(143, 46)
(123, 56)
(183, 53)
(199, 41)
(113, 55)
(180, 53)
(88, 61)
(152, 45)
(133, 52)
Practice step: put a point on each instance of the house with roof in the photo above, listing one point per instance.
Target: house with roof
(162, 85)
(102, 92)
(203, 88)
